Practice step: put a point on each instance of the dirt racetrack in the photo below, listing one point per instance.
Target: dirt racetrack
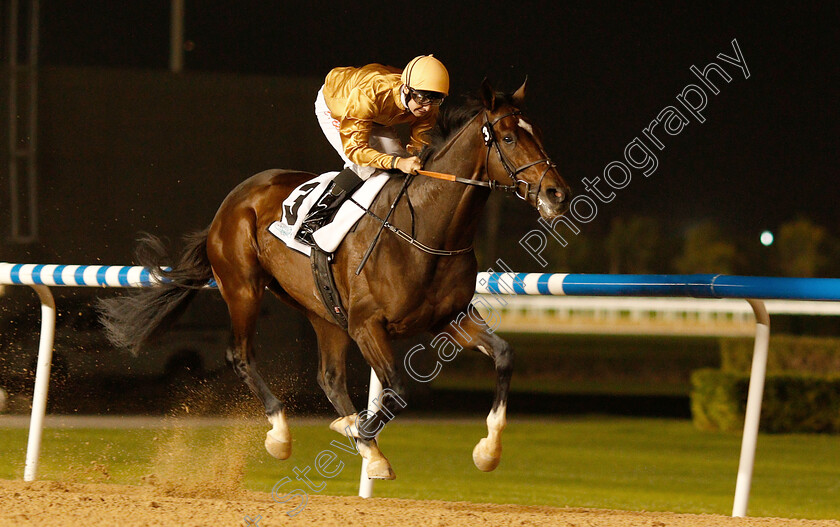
(54, 503)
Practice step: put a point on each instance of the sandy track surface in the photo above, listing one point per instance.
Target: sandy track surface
(54, 503)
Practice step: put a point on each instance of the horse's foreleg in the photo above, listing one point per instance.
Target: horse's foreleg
(470, 334)
(376, 349)
(333, 343)
(488, 452)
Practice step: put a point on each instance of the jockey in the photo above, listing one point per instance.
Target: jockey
(357, 109)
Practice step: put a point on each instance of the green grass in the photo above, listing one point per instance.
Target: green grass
(633, 464)
(590, 364)
(551, 385)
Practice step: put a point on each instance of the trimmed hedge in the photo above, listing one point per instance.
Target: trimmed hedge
(793, 402)
(816, 355)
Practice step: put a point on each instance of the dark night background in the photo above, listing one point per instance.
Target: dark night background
(599, 72)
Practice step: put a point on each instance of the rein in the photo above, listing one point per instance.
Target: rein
(492, 184)
(490, 141)
(404, 235)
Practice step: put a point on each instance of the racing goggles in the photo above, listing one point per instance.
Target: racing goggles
(426, 98)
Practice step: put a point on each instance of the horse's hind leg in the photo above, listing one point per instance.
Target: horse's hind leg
(244, 304)
(478, 336)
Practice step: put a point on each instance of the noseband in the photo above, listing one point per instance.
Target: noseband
(490, 141)
(489, 135)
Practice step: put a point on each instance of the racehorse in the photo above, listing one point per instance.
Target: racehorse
(405, 289)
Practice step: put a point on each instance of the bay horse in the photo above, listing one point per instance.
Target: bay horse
(402, 291)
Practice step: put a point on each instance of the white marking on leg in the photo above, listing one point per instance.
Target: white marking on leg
(488, 452)
(483, 350)
(496, 422)
(280, 427)
(364, 450)
(278, 440)
(378, 466)
(340, 425)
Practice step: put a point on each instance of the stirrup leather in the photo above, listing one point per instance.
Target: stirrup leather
(318, 215)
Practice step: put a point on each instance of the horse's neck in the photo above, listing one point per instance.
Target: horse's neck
(451, 210)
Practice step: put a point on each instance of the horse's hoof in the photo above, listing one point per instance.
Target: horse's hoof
(278, 449)
(380, 469)
(485, 457)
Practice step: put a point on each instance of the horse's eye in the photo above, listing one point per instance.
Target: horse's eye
(508, 139)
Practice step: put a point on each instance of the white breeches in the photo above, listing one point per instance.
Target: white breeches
(382, 138)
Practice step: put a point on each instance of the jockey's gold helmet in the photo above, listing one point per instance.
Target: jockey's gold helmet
(426, 73)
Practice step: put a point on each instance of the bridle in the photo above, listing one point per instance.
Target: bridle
(490, 141)
(489, 135)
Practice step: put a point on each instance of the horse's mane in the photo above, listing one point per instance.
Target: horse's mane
(454, 117)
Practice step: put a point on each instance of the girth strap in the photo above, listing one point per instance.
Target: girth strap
(325, 283)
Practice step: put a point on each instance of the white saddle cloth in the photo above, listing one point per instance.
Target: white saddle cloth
(329, 237)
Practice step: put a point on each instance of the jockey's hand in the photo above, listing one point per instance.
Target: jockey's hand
(409, 165)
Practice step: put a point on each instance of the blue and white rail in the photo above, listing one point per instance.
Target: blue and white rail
(547, 284)
(655, 285)
(75, 275)
(753, 289)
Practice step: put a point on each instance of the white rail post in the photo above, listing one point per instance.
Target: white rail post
(375, 390)
(42, 381)
(753, 413)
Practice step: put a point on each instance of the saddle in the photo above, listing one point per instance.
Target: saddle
(296, 207)
(338, 223)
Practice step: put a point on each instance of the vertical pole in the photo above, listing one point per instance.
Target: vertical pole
(375, 390)
(751, 422)
(42, 382)
(176, 36)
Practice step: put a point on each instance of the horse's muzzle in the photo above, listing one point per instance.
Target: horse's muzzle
(553, 200)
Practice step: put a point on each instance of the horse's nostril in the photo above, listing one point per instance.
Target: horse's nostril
(557, 193)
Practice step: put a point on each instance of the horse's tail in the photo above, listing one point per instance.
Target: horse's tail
(138, 317)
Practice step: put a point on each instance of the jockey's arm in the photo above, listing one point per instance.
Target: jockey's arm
(420, 133)
(360, 114)
(355, 130)
(355, 139)
(357, 147)
(419, 139)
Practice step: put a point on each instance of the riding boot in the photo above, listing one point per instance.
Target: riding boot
(340, 189)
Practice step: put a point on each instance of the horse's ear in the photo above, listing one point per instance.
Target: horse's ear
(519, 95)
(488, 95)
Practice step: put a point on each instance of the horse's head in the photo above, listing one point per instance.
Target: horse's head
(515, 155)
